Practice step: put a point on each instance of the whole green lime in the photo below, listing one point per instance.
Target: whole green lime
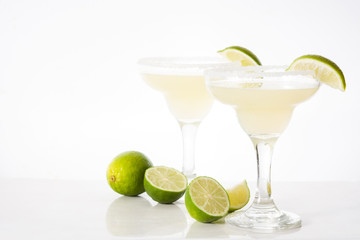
(125, 173)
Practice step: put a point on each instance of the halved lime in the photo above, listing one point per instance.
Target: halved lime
(326, 71)
(164, 184)
(239, 196)
(240, 54)
(206, 200)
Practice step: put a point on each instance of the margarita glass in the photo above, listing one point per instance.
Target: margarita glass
(264, 98)
(181, 81)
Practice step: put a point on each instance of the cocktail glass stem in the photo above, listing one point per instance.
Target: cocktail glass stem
(189, 136)
(263, 203)
(263, 213)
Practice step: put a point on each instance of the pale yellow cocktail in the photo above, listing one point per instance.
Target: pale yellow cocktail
(262, 109)
(182, 83)
(186, 96)
(264, 99)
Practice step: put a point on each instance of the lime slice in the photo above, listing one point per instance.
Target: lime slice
(164, 184)
(326, 71)
(240, 54)
(206, 200)
(239, 196)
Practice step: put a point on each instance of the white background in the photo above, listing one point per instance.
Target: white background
(71, 97)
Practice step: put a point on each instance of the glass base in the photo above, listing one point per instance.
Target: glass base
(264, 221)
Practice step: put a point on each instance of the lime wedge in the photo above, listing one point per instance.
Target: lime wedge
(239, 196)
(240, 54)
(326, 71)
(164, 184)
(206, 200)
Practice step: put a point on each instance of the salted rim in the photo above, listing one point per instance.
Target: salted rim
(230, 75)
(257, 71)
(182, 65)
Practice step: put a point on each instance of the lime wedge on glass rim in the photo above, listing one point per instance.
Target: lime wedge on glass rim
(245, 57)
(326, 71)
(239, 196)
(164, 184)
(240, 54)
(206, 200)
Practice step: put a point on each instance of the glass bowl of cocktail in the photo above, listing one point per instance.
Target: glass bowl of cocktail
(264, 98)
(181, 81)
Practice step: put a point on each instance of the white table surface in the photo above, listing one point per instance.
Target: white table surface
(64, 209)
